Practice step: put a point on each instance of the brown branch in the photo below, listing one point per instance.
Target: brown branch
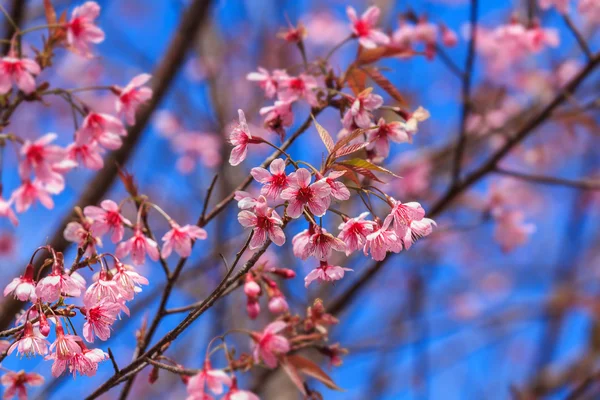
(466, 96)
(584, 184)
(580, 39)
(17, 13)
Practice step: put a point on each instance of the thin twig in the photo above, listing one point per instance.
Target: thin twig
(583, 184)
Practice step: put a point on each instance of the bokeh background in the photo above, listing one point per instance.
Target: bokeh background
(456, 317)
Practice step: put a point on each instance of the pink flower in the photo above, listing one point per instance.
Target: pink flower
(30, 343)
(251, 288)
(138, 245)
(240, 138)
(252, 308)
(404, 36)
(322, 243)
(339, 191)
(562, 6)
(99, 318)
(539, 38)
(66, 346)
(359, 114)
(269, 345)
(325, 273)
(380, 138)
(301, 241)
(39, 157)
(22, 288)
(278, 116)
(364, 27)
(301, 193)
(180, 239)
(6, 211)
(84, 362)
(417, 230)
(412, 121)
(382, 240)
(273, 182)
(427, 33)
(105, 288)
(215, 379)
(403, 214)
(107, 218)
(90, 155)
(18, 71)
(129, 281)
(237, 394)
(245, 200)
(511, 230)
(102, 128)
(28, 192)
(80, 234)
(265, 222)
(132, 96)
(81, 29)
(449, 37)
(14, 383)
(269, 83)
(58, 283)
(301, 87)
(354, 231)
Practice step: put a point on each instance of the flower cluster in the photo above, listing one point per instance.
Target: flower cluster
(43, 164)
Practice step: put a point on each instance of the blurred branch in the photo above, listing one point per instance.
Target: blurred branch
(580, 39)
(17, 13)
(584, 184)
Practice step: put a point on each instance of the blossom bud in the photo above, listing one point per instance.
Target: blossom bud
(449, 38)
(278, 304)
(251, 288)
(285, 273)
(252, 308)
(153, 377)
(44, 325)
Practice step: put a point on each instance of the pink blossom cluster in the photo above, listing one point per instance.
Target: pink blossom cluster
(43, 164)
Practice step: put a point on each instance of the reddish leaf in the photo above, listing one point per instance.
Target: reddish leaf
(361, 171)
(311, 369)
(360, 163)
(356, 79)
(385, 84)
(325, 136)
(347, 139)
(369, 56)
(349, 173)
(344, 151)
(292, 372)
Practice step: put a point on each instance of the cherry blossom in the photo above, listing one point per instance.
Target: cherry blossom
(58, 283)
(382, 240)
(402, 214)
(278, 304)
(18, 71)
(81, 29)
(562, 6)
(99, 318)
(301, 193)
(65, 346)
(30, 191)
(359, 114)
(107, 218)
(278, 116)
(23, 287)
(104, 288)
(325, 273)
(322, 243)
(354, 231)
(180, 239)
(590, 10)
(132, 96)
(301, 87)
(103, 128)
(14, 383)
(339, 191)
(245, 200)
(267, 81)
(138, 245)
(89, 154)
(364, 27)
(511, 230)
(265, 223)
(129, 280)
(269, 345)
(81, 234)
(30, 343)
(240, 137)
(214, 379)
(275, 181)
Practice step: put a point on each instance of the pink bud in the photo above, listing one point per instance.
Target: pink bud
(278, 305)
(44, 325)
(252, 308)
(449, 38)
(251, 288)
(153, 377)
(285, 273)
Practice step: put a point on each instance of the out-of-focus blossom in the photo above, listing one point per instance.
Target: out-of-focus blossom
(132, 96)
(269, 345)
(364, 28)
(81, 29)
(18, 71)
(325, 273)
